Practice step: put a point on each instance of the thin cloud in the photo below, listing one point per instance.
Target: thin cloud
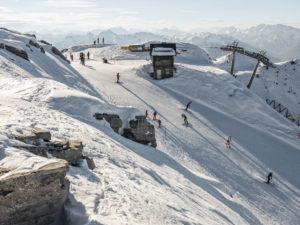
(5, 10)
(69, 4)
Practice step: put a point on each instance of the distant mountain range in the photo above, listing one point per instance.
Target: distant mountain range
(281, 42)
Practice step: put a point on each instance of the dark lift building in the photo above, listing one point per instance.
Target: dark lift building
(162, 56)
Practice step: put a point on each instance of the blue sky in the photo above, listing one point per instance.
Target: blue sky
(86, 15)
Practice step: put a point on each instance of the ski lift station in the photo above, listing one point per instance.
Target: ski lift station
(162, 56)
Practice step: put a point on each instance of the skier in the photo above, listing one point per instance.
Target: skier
(88, 55)
(146, 113)
(154, 115)
(187, 105)
(184, 119)
(118, 77)
(159, 123)
(269, 177)
(228, 141)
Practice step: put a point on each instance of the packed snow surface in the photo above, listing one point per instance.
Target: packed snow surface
(191, 177)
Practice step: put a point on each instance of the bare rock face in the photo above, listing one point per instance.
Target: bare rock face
(113, 119)
(141, 131)
(18, 52)
(35, 197)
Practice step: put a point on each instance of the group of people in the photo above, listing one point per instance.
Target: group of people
(98, 41)
(82, 57)
(155, 113)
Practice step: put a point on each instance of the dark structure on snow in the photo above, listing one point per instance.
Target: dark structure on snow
(162, 56)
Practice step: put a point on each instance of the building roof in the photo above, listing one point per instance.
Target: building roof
(160, 51)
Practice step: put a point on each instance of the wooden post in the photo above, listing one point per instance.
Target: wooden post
(232, 65)
(253, 75)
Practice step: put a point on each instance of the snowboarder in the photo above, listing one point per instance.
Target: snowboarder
(159, 123)
(269, 177)
(188, 105)
(118, 77)
(146, 113)
(184, 119)
(154, 115)
(228, 141)
(98, 41)
(88, 55)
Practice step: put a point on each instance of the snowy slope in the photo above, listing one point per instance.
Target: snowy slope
(191, 178)
(281, 84)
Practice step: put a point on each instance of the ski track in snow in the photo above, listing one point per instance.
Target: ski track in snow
(191, 178)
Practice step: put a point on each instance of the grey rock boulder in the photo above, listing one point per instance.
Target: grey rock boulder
(141, 131)
(34, 198)
(113, 119)
(90, 162)
(41, 133)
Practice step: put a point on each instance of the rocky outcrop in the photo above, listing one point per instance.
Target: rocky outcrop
(57, 52)
(35, 197)
(43, 134)
(40, 144)
(64, 50)
(90, 162)
(141, 131)
(35, 44)
(45, 42)
(113, 119)
(18, 52)
(70, 150)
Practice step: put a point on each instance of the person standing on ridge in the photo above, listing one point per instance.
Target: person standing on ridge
(88, 55)
(146, 113)
(103, 41)
(159, 123)
(154, 115)
(118, 77)
(269, 177)
(98, 41)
